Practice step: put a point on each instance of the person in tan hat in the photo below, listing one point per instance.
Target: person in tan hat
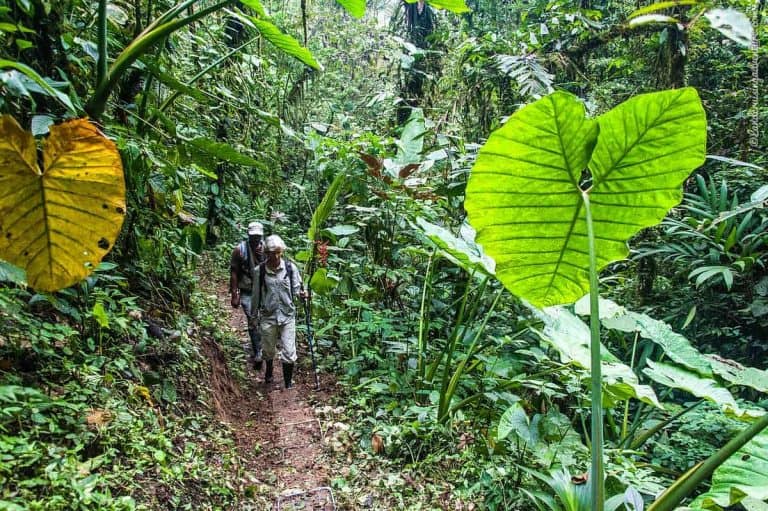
(246, 257)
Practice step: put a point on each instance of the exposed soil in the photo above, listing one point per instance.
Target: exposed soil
(278, 435)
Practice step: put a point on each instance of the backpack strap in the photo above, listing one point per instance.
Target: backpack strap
(289, 275)
(261, 283)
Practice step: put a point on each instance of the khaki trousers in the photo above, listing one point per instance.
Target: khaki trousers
(282, 337)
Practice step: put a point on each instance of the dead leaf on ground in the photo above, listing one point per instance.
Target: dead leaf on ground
(97, 417)
(377, 443)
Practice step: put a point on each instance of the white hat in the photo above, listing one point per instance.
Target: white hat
(255, 228)
(274, 242)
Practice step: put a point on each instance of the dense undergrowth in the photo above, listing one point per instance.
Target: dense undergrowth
(106, 403)
(452, 393)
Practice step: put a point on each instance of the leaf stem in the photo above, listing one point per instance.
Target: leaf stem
(101, 65)
(598, 470)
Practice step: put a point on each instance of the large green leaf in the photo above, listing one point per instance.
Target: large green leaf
(322, 283)
(411, 142)
(12, 274)
(224, 152)
(526, 193)
(354, 7)
(700, 386)
(570, 337)
(462, 252)
(256, 6)
(285, 42)
(745, 474)
(675, 345)
(39, 80)
(737, 374)
(455, 6)
(326, 205)
(516, 420)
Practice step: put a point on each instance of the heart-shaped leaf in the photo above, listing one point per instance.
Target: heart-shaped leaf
(58, 223)
(526, 195)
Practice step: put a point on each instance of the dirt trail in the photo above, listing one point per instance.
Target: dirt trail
(277, 432)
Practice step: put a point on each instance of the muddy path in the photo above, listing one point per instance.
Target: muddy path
(278, 433)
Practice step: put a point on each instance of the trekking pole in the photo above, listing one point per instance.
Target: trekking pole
(310, 334)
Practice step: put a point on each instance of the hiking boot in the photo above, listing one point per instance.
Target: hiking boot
(288, 375)
(257, 365)
(268, 372)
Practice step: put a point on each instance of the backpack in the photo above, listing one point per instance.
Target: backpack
(288, 276)
(247, 264)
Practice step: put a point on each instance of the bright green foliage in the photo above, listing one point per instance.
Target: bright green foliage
(12, 274)
(411, 141)
(225, 152)
(680, 378)
(325, 207)
(516, 420)
(354, 7)
(743, 474)
(570, 337)
(460, 251)
(677, 347)
(285, 42)
(525, 193)
(455, 6)
(45, 86)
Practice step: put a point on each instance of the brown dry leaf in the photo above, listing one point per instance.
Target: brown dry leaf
(58, 222)
(408, 170)
(374, 164)
(97, 417)
(377, 443)
(580, 479)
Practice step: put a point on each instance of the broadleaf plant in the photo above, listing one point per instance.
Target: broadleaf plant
(526, 193)
(58, 222)
(555, 196)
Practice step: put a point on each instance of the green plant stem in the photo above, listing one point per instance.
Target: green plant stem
(598, 470)
(446, 394)
(101, 38)
(459, 332)
(640, 440)
(136, 49)
(684, 486)
(625, 420)
(424, 321)
(505, 386)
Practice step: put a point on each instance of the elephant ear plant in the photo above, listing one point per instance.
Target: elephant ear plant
(554, 197)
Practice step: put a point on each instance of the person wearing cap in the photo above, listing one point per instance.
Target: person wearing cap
(276, 284)
(246, 257)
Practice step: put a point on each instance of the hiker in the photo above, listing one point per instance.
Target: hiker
(276, 284)
(246, 257)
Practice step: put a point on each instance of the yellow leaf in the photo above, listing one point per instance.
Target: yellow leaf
(142, 391)
(59, 223)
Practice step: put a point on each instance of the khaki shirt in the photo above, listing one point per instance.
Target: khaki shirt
(276, 304)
